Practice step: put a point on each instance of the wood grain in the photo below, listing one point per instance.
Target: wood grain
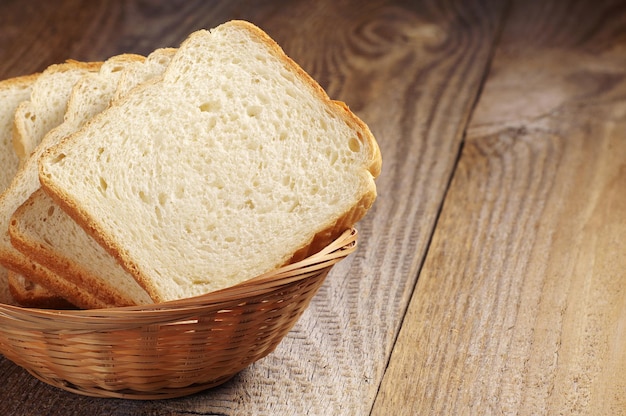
(520, 306)
(411, 70)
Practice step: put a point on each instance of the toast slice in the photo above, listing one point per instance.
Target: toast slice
(42, 231)
(12, 92)
(233, 164)
(26, 180)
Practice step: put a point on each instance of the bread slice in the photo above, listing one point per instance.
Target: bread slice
(46, 105)
(12, 92)
(73, 255)
(221, 170)
(139, 72)
(29, 123)
(26, 181)
(32, 295)
(44, 232)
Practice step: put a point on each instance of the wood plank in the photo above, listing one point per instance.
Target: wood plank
(520, 307)
(412, 71)
(36, 34)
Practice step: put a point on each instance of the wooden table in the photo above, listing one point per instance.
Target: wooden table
(491, 273)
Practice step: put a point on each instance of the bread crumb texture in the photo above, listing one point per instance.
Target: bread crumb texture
(220, 170)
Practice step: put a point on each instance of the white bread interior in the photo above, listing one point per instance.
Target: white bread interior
(26, 180)
(48, 235)
(13, 91)
(232, 164)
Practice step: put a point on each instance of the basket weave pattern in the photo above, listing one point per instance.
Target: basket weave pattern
(170, 349)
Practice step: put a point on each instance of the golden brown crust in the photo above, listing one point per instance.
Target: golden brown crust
(35, 297)
(22, 81)
(41, 275)
(44, 277)
(64, 268)
(90, 227)
(70, 64)
(376, 160)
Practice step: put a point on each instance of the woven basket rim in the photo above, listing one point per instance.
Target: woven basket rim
(338, 249)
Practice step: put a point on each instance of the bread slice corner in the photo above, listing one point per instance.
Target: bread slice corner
(36, 116)
(32, 295)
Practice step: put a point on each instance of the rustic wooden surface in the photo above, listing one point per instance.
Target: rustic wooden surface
(491, 271)
(520, 306)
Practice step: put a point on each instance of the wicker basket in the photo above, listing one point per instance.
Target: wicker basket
(170, 349)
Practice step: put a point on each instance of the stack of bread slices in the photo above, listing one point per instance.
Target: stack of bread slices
(147, 179)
